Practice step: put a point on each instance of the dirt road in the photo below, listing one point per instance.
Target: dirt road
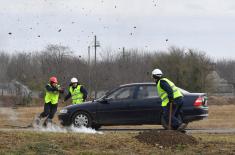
(121, 130)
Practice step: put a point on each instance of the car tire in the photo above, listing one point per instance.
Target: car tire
(81, 119)
(165, 124)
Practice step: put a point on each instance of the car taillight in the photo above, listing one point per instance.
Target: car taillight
(199, 102)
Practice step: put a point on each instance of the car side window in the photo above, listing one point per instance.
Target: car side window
(147, 92)
(122, 93)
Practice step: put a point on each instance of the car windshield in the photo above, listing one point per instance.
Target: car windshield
(122, 93)
(106, 94)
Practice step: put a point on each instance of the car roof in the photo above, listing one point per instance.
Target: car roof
(149, 83)
(140, 83)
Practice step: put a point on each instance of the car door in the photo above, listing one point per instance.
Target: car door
(115, 107)
(147, 106)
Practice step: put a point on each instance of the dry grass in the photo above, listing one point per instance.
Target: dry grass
(20, 116)
(108, 143)
(222, 116)
(19, 142)
(219, 117)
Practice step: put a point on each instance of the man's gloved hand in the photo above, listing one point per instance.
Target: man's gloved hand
(61, 90)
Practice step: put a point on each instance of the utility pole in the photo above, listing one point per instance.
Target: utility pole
(96, 44)
(89, 70)
(95, 70)
(123, 53)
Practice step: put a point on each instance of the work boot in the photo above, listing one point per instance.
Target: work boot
(49, 123)
(37, 120)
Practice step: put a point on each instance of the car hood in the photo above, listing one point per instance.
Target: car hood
(79, 105)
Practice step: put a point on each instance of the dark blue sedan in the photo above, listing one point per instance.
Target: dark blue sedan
(131, 104)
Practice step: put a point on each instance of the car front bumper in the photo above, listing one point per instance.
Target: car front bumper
(65, 119)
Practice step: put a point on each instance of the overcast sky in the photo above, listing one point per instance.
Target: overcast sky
(206, 25)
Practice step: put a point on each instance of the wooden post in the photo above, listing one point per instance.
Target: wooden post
(170, 114)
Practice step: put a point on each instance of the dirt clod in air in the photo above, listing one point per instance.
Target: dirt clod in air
(165, 138)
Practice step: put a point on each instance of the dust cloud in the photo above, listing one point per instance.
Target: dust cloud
(71, 129)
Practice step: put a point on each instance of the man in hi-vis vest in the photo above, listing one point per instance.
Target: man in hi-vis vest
(53, 91)
(169, 93)
(76, 91)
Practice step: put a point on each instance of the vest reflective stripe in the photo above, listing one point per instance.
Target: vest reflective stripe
(52, 96)
(77, 96)
(163, 94)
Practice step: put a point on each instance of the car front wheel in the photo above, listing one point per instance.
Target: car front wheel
(81, 119)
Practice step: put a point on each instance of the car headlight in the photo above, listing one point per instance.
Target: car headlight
(63, 111)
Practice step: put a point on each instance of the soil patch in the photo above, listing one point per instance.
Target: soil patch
(165, 138)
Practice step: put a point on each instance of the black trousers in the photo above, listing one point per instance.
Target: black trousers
(49, 110)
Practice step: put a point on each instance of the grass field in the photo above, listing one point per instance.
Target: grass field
(29, 142)
(219, 117)
(109, 143)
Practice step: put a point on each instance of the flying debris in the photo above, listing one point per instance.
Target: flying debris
(134, 27)
(115, 6)
(73, 22)
(10, 33)
(155, 3)
(59, 30)
(131, 34)
(166, 40)
(39, 36)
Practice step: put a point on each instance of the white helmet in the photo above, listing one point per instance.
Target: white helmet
(157, 73)
(74, 80)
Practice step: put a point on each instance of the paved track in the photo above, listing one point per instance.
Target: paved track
(130, 130)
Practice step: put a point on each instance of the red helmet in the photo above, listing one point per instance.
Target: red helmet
(53, 79)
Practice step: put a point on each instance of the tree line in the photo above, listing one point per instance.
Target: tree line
(187, 68)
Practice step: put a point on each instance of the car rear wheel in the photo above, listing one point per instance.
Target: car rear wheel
(165, 124)
(82, 119)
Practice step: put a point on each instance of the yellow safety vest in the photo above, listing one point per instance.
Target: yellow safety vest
(52, 96)
(77, 95)
(163, 94)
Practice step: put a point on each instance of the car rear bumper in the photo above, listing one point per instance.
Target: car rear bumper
(64, 119)
(196, 114)
(195, 117)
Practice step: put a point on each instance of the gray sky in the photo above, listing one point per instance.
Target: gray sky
(207, 25)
